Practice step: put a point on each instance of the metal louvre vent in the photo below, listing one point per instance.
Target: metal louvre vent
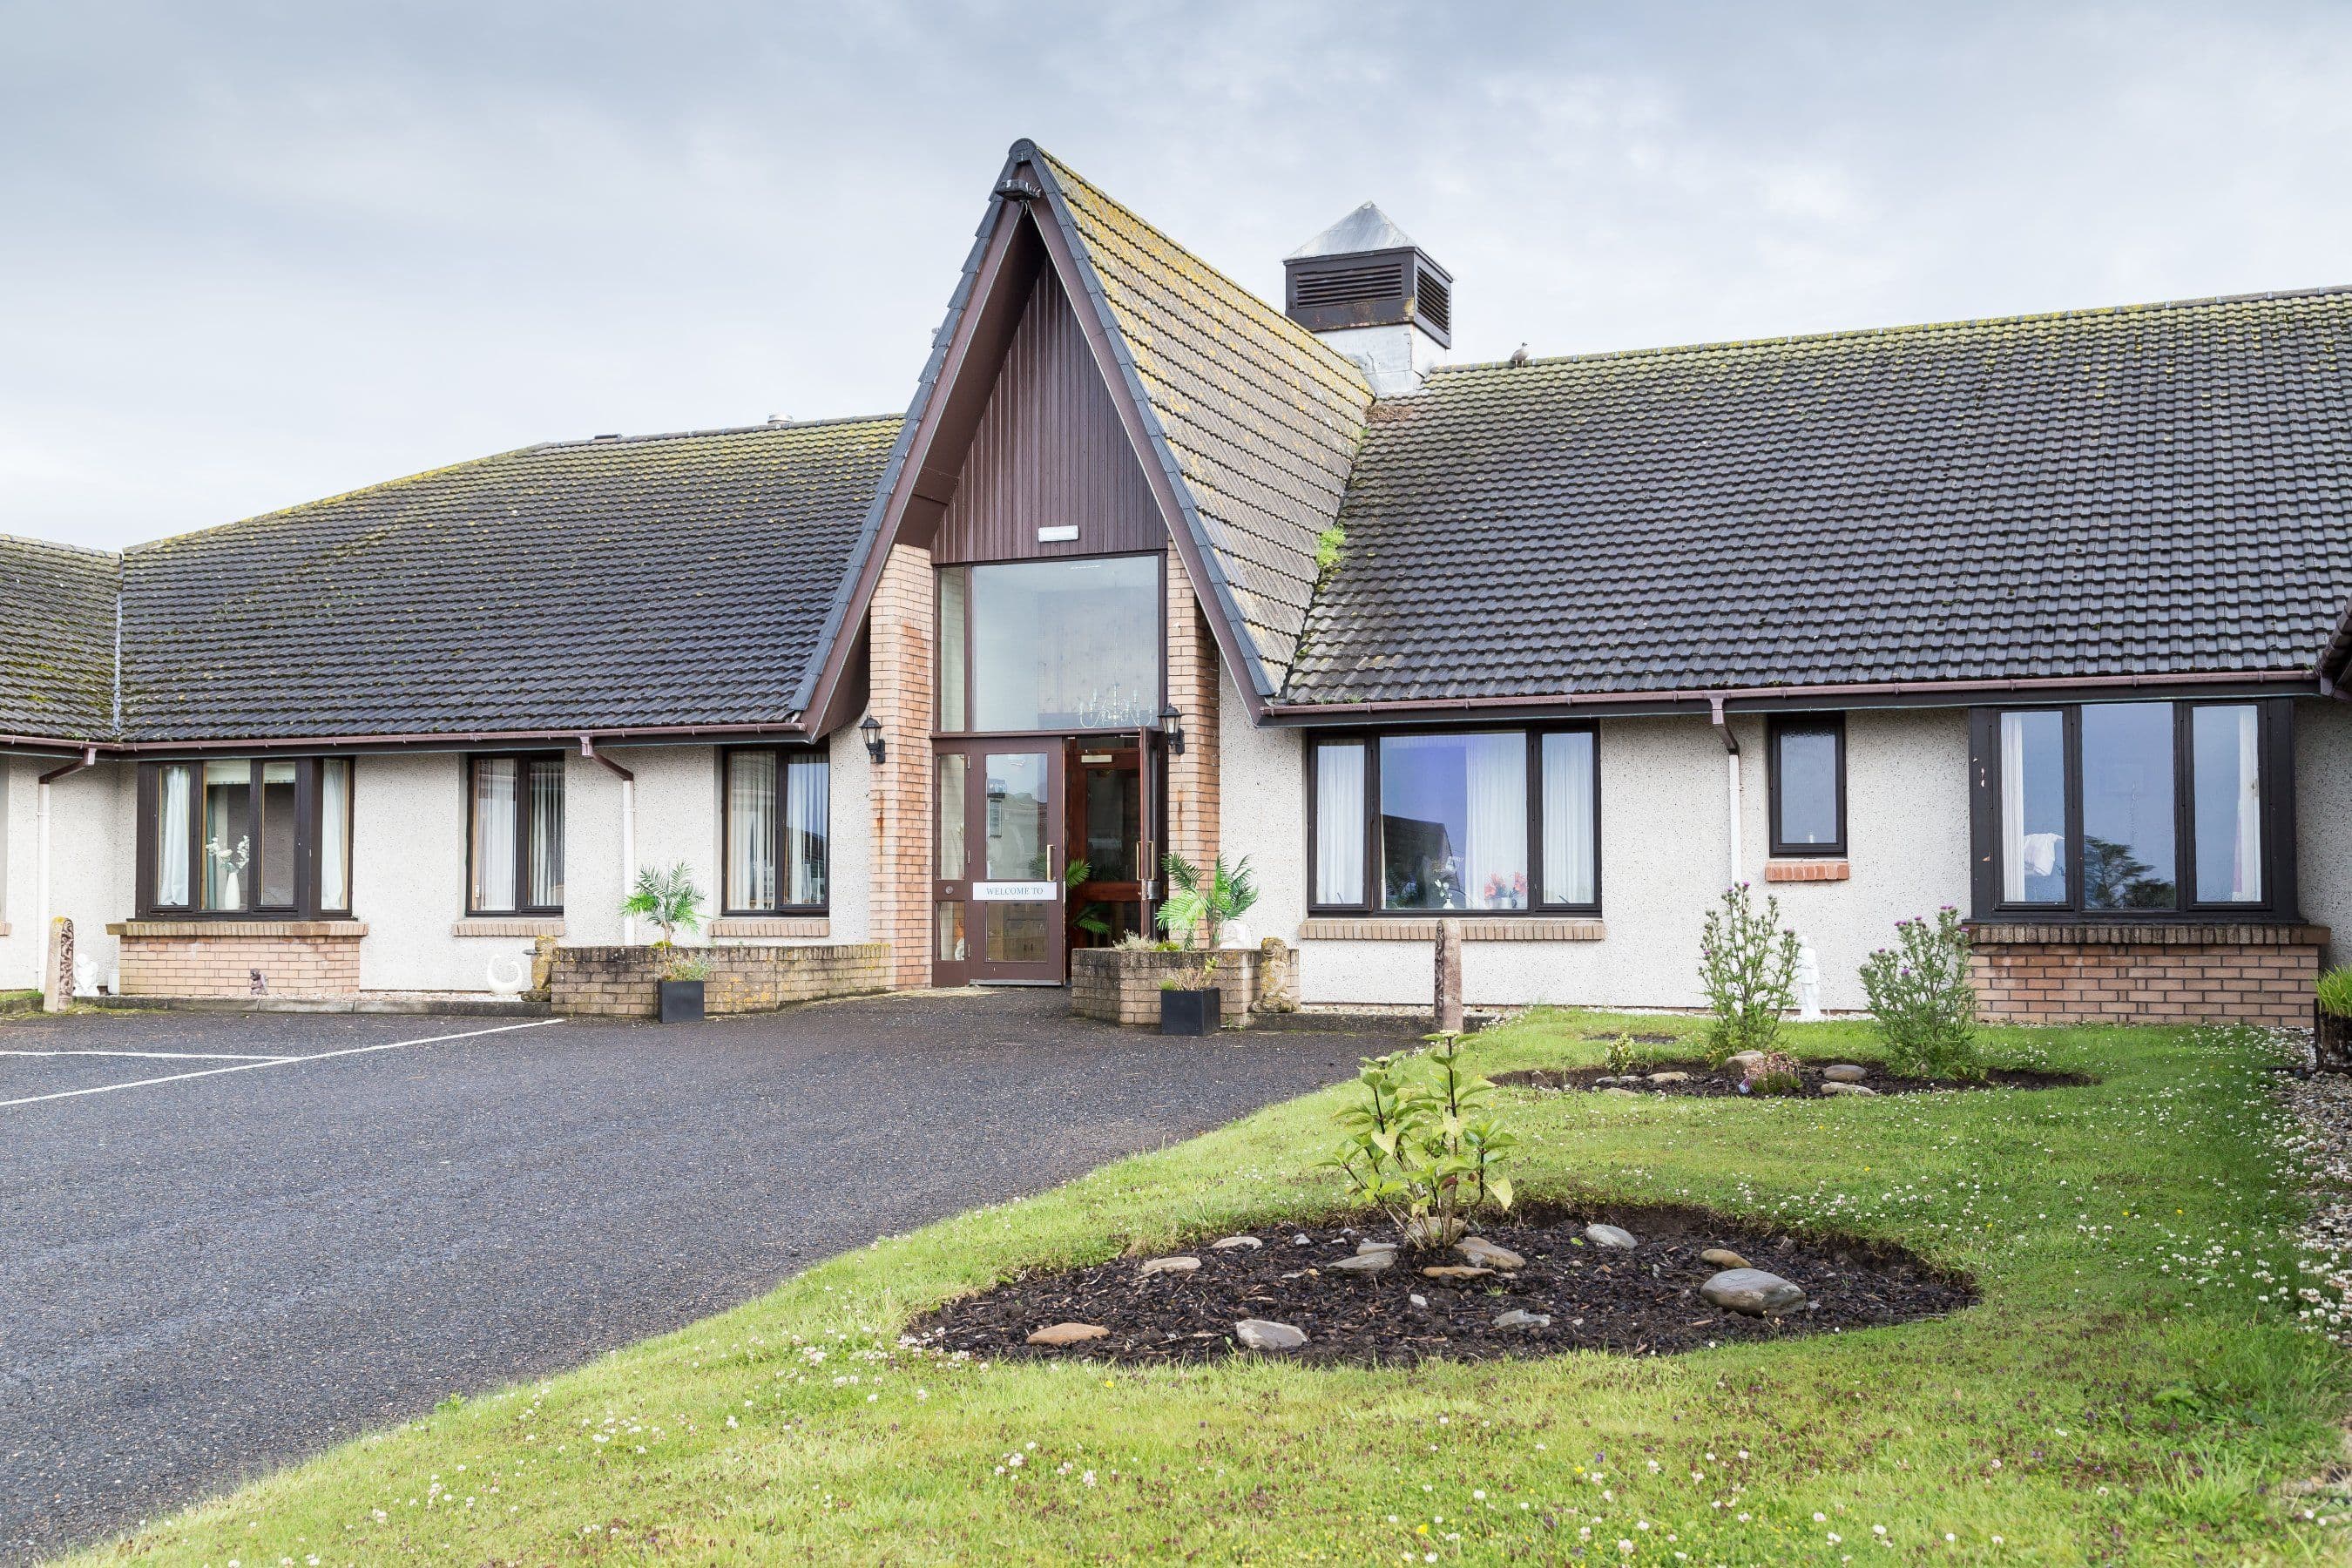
(1434, 302)
(1348, 285)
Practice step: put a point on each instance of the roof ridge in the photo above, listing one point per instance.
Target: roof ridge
(764, 427)
(284, 511)
(63, 545)
(1956, 324)
(1273, 317)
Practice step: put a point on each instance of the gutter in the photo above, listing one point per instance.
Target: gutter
(1731, 784)
(89, 759)
(628, 830)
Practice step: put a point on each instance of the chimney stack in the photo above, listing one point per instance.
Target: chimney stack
(1366, 288)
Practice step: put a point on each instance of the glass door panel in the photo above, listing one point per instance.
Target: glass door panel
(998, 884)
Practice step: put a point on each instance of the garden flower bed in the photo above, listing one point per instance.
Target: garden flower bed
(1639, 1300)
(1693, 1076)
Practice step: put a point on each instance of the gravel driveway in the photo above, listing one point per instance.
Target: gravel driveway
(225, 1261)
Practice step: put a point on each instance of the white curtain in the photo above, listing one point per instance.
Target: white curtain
(546, 834)
(335, 834)
(1339, 824)
(1568, 818)
(1494, 851)
(807, 809)
(494, 835)
(752, 830)
(172, 836)
(2012, 808)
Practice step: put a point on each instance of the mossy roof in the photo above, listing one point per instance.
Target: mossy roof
(57, 640)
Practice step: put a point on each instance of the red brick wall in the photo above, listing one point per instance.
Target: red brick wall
(295, 958)
(2191, 974)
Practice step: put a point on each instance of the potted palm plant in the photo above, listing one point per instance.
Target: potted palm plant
(670, 900)
(1201, 904)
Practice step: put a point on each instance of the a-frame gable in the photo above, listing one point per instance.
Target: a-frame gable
(1256, 471)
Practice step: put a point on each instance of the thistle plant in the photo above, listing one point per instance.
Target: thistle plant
(1418, 1146)
(1922, 1000)
(1747, 963)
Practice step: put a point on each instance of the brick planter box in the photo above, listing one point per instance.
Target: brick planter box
(619, 982)
(2087, 974)
(221, 957)
(1122, 987)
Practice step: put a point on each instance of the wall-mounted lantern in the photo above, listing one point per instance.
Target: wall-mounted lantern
(871, 728)
(1171, 724)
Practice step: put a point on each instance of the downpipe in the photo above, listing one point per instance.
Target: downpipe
(1731, 790)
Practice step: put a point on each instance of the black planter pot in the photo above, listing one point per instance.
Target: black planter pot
(2332, 1040)
(1191, 1012)
(681, 1001)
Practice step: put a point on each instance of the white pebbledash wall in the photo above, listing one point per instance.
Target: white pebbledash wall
(91, 862)
(2323, 809)
(1663, 859)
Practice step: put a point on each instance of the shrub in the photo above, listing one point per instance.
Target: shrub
(1773, 1073)
(1748, 966)
(1419, 1149)
(690, 969)
(1923, 1001)
(1196, 900)
(1622, 1056)
(668, 899)
(2335, 992)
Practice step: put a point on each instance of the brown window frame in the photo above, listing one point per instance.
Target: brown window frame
(523, 808)
(971, 694)
(1777, 726)
(785, 756)
(1375, 873)
(304, 906)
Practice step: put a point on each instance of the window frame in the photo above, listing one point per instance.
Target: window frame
(969, 665)
(523, 808)
(1776, 726)
(1375, 872)
(305, 904)
(784, 755)
(2275, 751)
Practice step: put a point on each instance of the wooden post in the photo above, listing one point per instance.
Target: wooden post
(57, 974)
(1449, 978)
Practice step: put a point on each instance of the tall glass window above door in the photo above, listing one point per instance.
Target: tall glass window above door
(1061, 645)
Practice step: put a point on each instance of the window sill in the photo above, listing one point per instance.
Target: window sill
(529, 925)
(2145, 933)
(1808, 868)
(1474, 929)
(771, 925)
(190, 930)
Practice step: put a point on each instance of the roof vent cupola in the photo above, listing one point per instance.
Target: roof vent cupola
(1366, 288)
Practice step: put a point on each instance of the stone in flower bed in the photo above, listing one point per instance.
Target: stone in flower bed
(1169, 1266)
(1752, 1291)
(1647, 1301)
(1814, 1081)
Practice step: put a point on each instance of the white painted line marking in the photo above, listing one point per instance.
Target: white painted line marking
(279, 1061)
(163, 1055)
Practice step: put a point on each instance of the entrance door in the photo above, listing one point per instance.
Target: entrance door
(1000, 855)
(1110, 839)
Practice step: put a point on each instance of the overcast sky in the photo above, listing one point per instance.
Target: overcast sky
(251, 255)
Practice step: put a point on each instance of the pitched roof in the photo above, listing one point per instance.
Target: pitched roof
(1259, 419)
(2153, 490)
(654, 582)
(57, 640)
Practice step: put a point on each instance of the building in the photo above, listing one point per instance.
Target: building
(2042, 618)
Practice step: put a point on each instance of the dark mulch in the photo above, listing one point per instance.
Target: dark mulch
(1708, 1082)
(1641, 1302)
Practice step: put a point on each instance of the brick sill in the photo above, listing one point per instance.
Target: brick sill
(1522, 930)
(1800, 868)
(551, 926)
(770, 925)
(2124, 934)
(200, 931)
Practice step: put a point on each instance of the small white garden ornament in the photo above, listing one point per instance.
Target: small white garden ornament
(1808, 985)
(509, 981)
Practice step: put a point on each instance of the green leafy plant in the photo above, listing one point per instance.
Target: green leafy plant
(1773, 1073)
(2335, 992)
(1923, 1002)
(669, 898)
(1747, 963)
(1144, 942)
(1091, 918)
(1197, 899)
(1419, 1147)
(1622, 1056)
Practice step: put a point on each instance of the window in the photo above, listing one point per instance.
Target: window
(2132, 809)
(515, 835)
(234, 837)
(1492, 821)
(1070, 644)
(1808, 784)
(777, 812)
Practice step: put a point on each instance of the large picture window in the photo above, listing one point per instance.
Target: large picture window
(515, 834)
(1066, 645)
(777, 810)
(1487, 821)
(2129, 810)
(234, 837)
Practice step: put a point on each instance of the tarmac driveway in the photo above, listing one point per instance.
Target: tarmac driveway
(262, 1235)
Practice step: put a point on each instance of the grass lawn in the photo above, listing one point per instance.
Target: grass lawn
(2132, 1388)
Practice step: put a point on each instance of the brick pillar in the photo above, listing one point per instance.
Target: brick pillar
(1192, 782)
(899, 642)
